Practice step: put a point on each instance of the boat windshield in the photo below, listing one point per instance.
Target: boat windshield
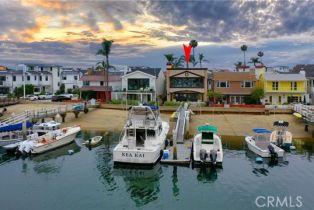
(207, 137)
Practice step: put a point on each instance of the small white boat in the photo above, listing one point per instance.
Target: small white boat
(207, 146)
(143, 137)
(49, 141)
(280, 136)
(93, 141)
(259, 144)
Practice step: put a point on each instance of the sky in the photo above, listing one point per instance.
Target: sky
(69, 33)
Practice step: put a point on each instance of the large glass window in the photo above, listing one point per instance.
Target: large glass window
(137, 84)
(247, 84)
(223, 84)
(187, 82)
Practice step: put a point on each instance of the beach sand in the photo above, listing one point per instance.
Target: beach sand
(228, 124)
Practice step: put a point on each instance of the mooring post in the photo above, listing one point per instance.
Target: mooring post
(42, 120)
(76, 113)
(63, 117)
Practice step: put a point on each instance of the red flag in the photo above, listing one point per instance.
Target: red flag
(187, 52)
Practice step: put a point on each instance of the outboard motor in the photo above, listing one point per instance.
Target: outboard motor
(273, 154)
(280, 141)
(213, 156)
(203, 155)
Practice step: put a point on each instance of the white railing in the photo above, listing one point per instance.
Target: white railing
(278, 106)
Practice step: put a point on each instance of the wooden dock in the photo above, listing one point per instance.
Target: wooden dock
(183, 154)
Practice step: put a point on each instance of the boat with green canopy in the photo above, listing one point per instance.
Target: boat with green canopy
(207, 146)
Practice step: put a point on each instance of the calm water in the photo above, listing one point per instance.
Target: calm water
(87, 180)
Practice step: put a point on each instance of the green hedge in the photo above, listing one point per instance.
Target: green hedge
(172, 103)
(129, 102)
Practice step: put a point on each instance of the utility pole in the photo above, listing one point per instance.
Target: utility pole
(24, 70)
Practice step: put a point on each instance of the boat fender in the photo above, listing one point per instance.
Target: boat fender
(71, 152)
(203, 155)
(292, 147)
(213, 156)
(259, 160)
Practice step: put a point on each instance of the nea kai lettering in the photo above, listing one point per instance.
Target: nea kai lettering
(135, 155)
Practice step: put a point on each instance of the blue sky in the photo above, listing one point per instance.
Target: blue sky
(69, 32)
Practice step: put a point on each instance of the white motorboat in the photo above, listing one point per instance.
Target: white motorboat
(93, 141)
(280, 136)
(143, 137)
(207, 146)
(49, 141)
(10, 140)
(260, 144)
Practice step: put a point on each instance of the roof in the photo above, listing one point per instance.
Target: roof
(272, 76)
(93, 78)
(234, 76)
(41, 65)
(96, 88)
(147, 70)
(309, 69)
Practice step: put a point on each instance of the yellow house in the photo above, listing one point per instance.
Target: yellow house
(281, 88)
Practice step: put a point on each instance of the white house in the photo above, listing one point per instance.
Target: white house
(142, 84)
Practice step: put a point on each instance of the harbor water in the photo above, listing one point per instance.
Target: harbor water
(87, 180)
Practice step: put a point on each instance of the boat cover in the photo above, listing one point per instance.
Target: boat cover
(281, 123)
(261, 130)
(15, 127)
(207, 128)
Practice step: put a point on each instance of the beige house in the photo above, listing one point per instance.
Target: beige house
(187, 84)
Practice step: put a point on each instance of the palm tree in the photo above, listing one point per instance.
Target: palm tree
(194, 44)
(201, 59)
(105, 51)
(243, 49)
(260, 54)
(178, 62)
(193, 61)
(170, 58)
(254, 60)
(238, 65)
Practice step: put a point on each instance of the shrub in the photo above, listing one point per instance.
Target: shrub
(129, 102)
(171, 103)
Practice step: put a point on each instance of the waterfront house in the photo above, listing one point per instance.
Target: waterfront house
(309, 74)
(143, 84)
(94, 83)
(234, 86)
(281, 88)
(187, 84)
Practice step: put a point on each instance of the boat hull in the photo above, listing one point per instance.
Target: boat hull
(56, 144)
(262, 152)
(197, 146)
(9, 141)
(142, 155)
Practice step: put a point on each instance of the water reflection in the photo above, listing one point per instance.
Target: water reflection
(142, 184)
(105, 163)
(263, 169)
(47, 163)
(175, 187)
(305, 147)
(207, 174)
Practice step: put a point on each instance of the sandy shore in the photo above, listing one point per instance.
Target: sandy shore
(228, 124)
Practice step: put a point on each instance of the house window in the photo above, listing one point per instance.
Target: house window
(14, 78)
(75, 77)
(137, 84)
(28, 78)
(35, 78)
(64, 78)
(279, 99)
(58, 73)
(294, 85)
(86, 83)
(101, 83)
(187, 82)
(275, 86)
(247, 84)
(46, 78)
(40, 78)
(58, 83)
(223, 84)
(270, 99)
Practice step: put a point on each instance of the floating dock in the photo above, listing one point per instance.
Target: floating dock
(180, 152)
